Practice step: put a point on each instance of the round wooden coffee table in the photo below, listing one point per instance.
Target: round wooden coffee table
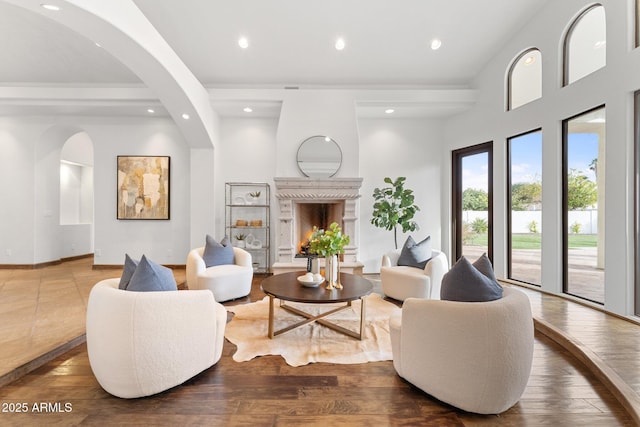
(285, 287)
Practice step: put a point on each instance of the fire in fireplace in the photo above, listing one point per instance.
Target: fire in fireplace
(315, 214)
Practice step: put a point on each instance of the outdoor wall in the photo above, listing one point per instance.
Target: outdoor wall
(612, 86)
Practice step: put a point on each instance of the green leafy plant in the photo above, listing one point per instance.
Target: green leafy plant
(581, 192)
(480, 225)
(533, 227)
(241, 236)
(328, 242)
(394, 206)
(575, 227)
(475, 200)
(255, 194)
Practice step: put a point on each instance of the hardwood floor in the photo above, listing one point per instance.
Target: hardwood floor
(268, 392)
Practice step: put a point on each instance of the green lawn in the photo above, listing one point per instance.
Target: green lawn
(532, 241)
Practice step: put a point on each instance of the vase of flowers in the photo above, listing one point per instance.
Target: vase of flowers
(329, 244)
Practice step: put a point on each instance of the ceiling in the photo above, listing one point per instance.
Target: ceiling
(291, 43)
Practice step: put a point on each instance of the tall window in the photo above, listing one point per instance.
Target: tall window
(637, 23)
(637, 202)
(584, 201)
(473, 201)
(585, 45)
(525, 79)
(525, 207)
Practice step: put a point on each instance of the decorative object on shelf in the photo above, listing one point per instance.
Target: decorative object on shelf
(394, 206)
(239, 201)
(255, 223)
(328, 244)
(240, 237)
(255, 244)
(241, 223)
(252, 197)
(143, 187)
(256, 266)
(310, 280)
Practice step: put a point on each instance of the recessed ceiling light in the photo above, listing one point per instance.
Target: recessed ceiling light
(247, 109)
(185, 116)
(529, 60)
(150, 110)
(389, 111)
(243, 42)
(435, 44)
(50, 7)
(98, 44)
(599, 44)
(340, 44)
(327, 139)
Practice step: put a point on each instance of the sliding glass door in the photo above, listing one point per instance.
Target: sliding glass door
(584, 201)
(524, 192)
(472, 201)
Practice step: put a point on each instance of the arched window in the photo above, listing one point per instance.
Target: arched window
(525, 79)
(585, 47)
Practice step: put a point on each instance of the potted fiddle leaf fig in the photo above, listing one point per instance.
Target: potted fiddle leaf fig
(394, 206)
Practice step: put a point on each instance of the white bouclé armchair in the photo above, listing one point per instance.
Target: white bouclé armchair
(402, 282)
(142, 343)
(227, 282)
(475, 356)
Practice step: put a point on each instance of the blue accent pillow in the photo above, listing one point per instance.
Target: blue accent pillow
(130, 265)
(150, 276)
(465, 282)
(218, 253)
(415, 254)
(483, 265)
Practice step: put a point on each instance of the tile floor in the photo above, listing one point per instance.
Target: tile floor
(42, 309)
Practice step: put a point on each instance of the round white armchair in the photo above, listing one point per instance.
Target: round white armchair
(142, 343)
(227, 282)
(475, 356)
(401, 282)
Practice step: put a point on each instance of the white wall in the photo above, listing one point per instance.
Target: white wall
(246, 153)
(17, 182)
(613, 86)
(393, 148)
(30, 163)
(307, 113)
(166, 242)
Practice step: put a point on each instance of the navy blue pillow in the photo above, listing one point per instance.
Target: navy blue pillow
(150, 276)
(415, 254)
(464, 282)
(218, 253)
(130, 265)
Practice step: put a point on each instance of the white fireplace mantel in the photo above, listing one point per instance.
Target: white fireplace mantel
(290, 191)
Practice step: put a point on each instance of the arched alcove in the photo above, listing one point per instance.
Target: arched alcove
(76, 196)
(48, 233)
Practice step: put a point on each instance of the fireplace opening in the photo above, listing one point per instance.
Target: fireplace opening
(309, 215)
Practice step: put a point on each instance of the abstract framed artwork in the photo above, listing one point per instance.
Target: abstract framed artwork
(143, 187)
